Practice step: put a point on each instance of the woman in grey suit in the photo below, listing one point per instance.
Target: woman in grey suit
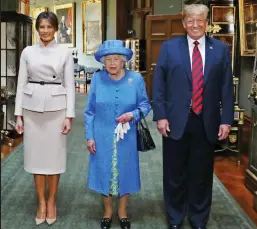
(44, 110)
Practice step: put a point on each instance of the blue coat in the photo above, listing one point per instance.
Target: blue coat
(172, 91)
(107, 100)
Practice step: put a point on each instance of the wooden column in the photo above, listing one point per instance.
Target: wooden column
(141, 11)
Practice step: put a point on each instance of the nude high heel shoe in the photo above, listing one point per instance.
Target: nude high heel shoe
(39, 221)
(42, 216)
(51, 221)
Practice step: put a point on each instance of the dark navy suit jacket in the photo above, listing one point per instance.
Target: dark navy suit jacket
(172, 86)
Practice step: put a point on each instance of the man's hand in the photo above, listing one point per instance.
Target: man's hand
(163, 127)
(224, 131)
(91, 146)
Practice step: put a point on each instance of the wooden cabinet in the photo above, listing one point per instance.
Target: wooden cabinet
(123, 19)
(248, 20)
(131, 16)
(251, 172)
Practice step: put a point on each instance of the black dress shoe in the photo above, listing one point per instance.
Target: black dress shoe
(125, 223)
(175, 226)
(106, 223)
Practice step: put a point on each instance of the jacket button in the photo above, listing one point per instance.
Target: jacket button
(54, 76)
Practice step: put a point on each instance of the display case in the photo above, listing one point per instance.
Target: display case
(251, 172)
(248, 21)
(16, 34)
(137, 62)
(223, 26)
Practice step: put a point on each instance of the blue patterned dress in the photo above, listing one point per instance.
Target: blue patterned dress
(114, 168)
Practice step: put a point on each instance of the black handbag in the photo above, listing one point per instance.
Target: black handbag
(144, 139)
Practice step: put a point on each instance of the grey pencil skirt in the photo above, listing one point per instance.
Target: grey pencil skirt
(45, 147)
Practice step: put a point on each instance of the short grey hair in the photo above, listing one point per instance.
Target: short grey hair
(123, 58)
(195, 9)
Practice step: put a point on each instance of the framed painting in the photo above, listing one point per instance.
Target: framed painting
(223, 14)
(34, 13)
(92, 24)
(24, 7)
(228, 39)
(66, 17)
(248, 30)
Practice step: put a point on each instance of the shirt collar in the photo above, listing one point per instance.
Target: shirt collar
(191, 41)
(51, 44)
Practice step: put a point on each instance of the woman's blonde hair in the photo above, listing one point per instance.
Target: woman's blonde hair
(195, 9)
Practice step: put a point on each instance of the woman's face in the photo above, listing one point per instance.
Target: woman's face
(46, 31)
(113, 64)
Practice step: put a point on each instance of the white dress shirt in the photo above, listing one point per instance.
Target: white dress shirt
(201, 47)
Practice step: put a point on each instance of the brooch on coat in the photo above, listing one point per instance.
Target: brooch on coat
(130, 81)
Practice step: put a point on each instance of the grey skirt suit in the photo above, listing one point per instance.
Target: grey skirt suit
(44, 107)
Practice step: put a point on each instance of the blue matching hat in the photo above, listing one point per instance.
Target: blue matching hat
(112, 47)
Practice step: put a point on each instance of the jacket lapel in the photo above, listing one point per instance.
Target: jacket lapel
(185, 58)
(209, 56)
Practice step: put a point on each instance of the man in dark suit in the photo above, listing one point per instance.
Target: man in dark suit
(192, 81)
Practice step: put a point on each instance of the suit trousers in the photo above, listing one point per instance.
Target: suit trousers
(188, 174)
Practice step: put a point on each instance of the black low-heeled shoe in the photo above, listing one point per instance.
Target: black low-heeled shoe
(106, 223)
(125, 223)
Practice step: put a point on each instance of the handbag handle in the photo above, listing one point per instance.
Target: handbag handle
(143, 117)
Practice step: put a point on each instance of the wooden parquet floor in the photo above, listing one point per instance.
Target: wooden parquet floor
(232, 176)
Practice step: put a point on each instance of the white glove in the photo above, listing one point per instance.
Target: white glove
(121, 129)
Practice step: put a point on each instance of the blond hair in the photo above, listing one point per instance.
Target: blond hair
(195, 9)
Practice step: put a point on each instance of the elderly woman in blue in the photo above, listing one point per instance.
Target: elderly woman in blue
(115, 96)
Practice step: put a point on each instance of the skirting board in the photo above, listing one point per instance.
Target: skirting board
(250, 181)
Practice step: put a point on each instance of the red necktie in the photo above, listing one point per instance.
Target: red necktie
(197, 80)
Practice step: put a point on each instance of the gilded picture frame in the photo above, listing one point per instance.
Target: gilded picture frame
(228, 39)
(34, 13)
(223, 14)
(24, 7)
(92, 24)
(248, 31)
(66, 15)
